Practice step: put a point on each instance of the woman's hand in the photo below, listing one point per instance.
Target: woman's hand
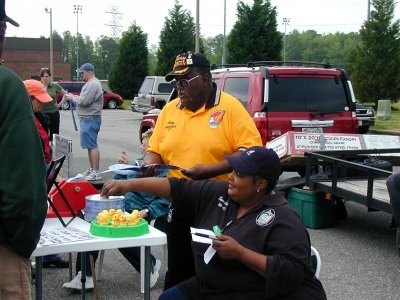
(115, 188)
(228, 248)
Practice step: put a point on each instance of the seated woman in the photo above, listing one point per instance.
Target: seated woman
(263, 251)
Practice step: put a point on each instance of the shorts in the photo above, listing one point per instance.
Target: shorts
(90, 128)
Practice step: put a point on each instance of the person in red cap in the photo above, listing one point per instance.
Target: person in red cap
(39, 97)
(23, 196)
(256, 246)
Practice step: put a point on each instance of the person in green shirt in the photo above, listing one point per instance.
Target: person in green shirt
(51, 109)
(23, 196)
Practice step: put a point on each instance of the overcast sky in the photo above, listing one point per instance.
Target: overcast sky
(323, 16)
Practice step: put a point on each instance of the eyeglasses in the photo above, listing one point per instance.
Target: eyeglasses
(183, 82)
(45, 69)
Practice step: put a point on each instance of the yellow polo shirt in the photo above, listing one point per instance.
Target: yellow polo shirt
(221, 127)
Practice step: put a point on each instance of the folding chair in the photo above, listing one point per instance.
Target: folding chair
(52, 173)
(316, 261)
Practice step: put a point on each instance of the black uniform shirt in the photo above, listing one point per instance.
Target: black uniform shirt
(272, 228)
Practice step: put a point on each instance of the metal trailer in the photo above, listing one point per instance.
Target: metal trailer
(369, 190)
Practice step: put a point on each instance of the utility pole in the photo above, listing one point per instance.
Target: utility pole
(224, 42)
(77, 10)
(50, 11)
(197, 46)
(286, 22)
(369, 10)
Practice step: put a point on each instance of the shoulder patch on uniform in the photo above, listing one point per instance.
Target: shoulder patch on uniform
(265, 217)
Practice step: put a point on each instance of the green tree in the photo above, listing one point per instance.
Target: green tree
(152, 59)
(254, 36)
(106, 50)
(177, 36)
(131, 66)
(376, 64)
(213, 48)
(312, 46)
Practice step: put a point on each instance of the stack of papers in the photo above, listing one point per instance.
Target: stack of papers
(124, 169)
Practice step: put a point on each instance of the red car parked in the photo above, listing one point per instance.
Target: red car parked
(111, 100)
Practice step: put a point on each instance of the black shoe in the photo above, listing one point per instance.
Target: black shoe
(60, 263)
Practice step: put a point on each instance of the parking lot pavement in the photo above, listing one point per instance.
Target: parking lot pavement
(359, 259)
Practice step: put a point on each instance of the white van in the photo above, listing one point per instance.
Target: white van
(153, 93)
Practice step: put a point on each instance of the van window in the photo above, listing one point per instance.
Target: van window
(147, 86)
(307, 94)
(238, 87)
(165, 88)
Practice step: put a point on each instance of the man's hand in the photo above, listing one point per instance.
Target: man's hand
(69, 97)
(199, 171)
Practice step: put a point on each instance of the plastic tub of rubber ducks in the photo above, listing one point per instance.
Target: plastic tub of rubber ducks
(95, 204)
(114, 223)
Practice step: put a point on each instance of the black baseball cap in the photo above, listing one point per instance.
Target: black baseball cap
(257, 160)
(185, 62)
(3, 16)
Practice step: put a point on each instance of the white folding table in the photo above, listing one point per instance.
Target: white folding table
(153, 238)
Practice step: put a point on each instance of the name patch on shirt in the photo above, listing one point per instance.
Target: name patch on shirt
(216, 118)
(223, 204)
(170, 125)
(265, 217)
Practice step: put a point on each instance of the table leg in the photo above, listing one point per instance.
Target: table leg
(147, 270)
(83, 274)
(38, 278)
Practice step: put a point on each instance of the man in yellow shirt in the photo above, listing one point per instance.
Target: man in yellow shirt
(194, 132)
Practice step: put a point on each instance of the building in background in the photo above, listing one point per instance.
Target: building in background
(26, 56)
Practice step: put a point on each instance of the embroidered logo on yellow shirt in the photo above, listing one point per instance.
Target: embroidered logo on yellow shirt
(170, 125)
(216, 118)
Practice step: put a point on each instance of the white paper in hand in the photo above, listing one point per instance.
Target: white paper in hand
(209, 254)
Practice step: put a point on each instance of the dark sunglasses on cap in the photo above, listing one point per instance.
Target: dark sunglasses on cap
(183, 82)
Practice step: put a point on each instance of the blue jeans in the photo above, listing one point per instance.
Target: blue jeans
(90, 128)
(132, 255)
(173, 293)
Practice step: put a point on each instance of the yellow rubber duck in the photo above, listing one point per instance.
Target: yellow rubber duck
(133, 218)
(122, 220)
(115, 220)
(102, 218)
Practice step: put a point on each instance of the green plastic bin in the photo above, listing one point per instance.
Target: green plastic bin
(314, 209)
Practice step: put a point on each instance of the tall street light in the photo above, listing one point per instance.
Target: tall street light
(285, 22)
(50, 11)
(197, 44)
(77, 10)
(224, 42)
